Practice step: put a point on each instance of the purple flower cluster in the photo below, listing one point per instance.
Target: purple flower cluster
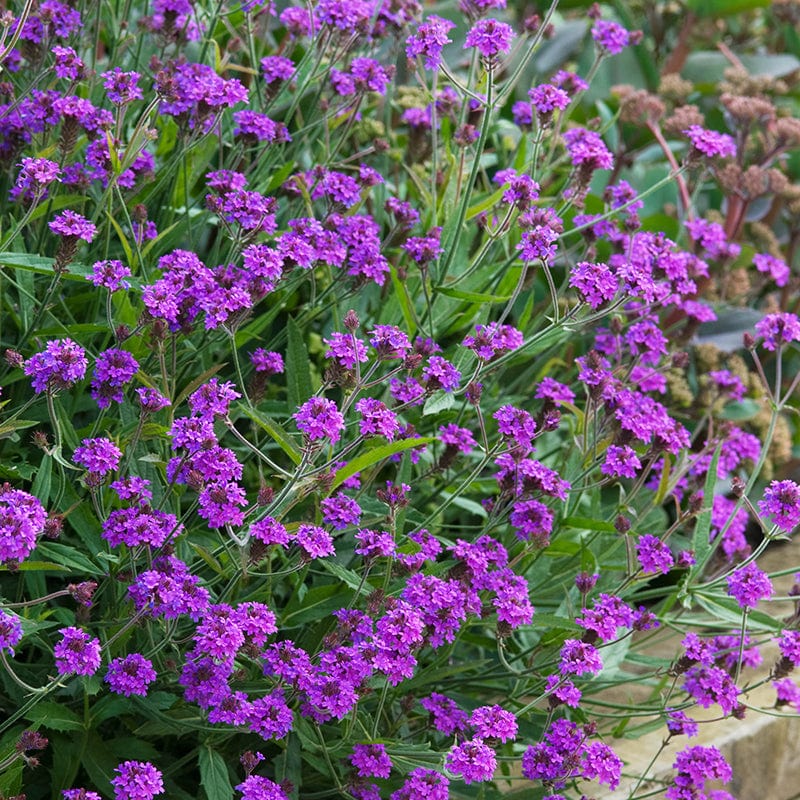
(130, 675)
(748, 585)
(77, 653)
(564, 754)
(781, 504)
(22, 521)
(10, 631)
(137, 780)
(60, 365)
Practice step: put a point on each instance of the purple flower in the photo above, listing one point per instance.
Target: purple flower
(340, 511)
(80, 794)
(319, 418)
(490, 37)
(110, 274)
(77, 653)
(472, 760)
(346, 349)
(748, 585)
(446, 716)
(137, 780)
(602, 764)
(270, 717)
(424, 249)
(517, 426)
(121, 87)
(781, 504)
(267, 361)
(371, 761)
(711, 143)
(709, 685)
(68, 64)
(555, 392)
(679, 724)
(587, 150)
(212, 399)
(270, 531)
(596, 282)
(778, 329)
(494, 722)
(546, 98)
(315, 542)
(533, 521)
(621, 462)
(423, 784)
(654, 555)
(377, 419)
(256, 787)
(789, 643)
(10, 631)
(389, 342)
(254, 127)
(460, 439)
(777, 269)
(579, 657)
(151, 400)
(277, 68)
(610, 37)
(70, 224)
(22, 520)
(375, 544)
(34, 178)
(428, 41)
(61, 364)
(169, 589)
(440, 374)
(695, 765)
(140, 525)
(132, 674)
(100, 456)
(113, 369)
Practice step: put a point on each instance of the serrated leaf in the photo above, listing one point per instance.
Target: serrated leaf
(346, 576)
(214, 774)
(278, 434)
(55, 716)
(375, 455)
(298, 367)
(472, 297)
(438, 402)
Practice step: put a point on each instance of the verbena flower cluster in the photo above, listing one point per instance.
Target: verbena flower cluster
(375, 394)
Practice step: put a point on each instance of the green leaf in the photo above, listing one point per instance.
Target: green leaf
(701, 542)
(67, 556)
(317, 602)
(43, 480)
(724, 8)
(42, 265)
(298, 367)
(214, 774)
(55, 716)
(346, 576)
(278, 434)
(472, 297)
(587, 524)
(123, 239)
(440, 401)
(375, 455)
(401, 294)
(16, 425)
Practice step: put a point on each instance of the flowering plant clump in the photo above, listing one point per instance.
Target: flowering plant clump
(383, 385)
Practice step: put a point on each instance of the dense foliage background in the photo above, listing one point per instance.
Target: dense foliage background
(384, 383)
